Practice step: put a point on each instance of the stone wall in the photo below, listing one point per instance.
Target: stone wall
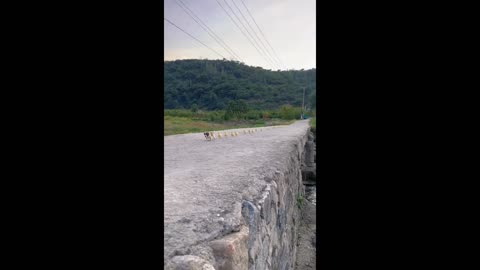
(267, 238)
(309, 167)
(273, 220)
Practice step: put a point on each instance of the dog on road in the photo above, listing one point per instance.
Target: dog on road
(207, 136)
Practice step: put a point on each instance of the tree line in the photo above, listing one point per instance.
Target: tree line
(239, 110)
(215, 84)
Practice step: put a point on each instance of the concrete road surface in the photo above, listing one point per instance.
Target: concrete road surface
(206, 181)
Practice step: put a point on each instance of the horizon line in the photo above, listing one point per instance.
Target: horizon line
(230, 60)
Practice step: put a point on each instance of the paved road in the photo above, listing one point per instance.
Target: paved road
(205, 182)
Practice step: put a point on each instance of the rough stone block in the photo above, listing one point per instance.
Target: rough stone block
(251, 216)
(188, 262)
(281, 218)
(266, 205)
(309, 154)
(262, 258)
(231, 252)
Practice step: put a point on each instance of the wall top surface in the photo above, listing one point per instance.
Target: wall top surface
(206, 181)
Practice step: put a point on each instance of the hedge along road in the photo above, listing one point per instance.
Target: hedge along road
(206, 181)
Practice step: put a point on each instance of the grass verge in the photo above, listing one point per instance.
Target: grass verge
(181, 125)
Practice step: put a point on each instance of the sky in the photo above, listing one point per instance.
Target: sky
(288, 25)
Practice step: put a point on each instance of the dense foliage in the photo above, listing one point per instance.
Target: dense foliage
(213, 84)
(235, 111)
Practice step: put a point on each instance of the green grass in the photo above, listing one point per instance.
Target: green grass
(313, 125)
(300, 201)
(181, 125)
(181, 121)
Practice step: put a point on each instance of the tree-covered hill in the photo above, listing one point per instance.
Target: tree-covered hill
(211, 84)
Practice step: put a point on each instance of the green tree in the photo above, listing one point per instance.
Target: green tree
(289, 112)
(236, 109)
(212, 84)
(194, 107)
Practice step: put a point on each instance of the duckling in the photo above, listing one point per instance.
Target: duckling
(219, 135)
(225, 134)
(232, 134)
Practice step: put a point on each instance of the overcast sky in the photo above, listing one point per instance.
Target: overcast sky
(289, 26)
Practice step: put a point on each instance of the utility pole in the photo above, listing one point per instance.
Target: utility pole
(303, 102)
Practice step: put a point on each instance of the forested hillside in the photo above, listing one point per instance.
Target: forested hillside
(211, 84)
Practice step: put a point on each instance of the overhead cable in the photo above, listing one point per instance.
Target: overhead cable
(194, 38)
(208, 30)
(248, 32)
(239, 28)
(265, 49)
(261, 32)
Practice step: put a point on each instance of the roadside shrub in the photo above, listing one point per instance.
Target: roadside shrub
(274, 114)
(289, 112)
(260, 122)
(178, 113)
(236, 109)
(194, 108)
(252, 115)
(216, 116)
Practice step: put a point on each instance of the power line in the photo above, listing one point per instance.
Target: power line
(251, 28)
(194, 38)
(213, 32)
(241, 30)
(263, 53)
(280, 60)
(247, 30)
(214, 36)
(176, 2)
(239, 27)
